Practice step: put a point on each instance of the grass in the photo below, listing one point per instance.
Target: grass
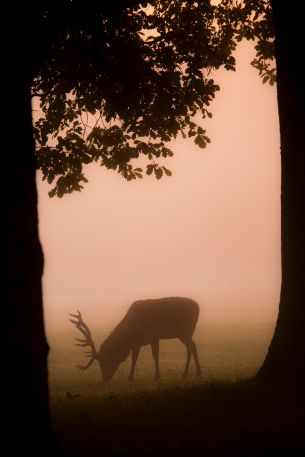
(239, 418)
(172, 417)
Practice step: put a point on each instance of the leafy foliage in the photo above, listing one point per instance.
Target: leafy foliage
(119, 88)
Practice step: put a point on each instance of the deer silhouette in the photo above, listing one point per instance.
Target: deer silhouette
(145, 323)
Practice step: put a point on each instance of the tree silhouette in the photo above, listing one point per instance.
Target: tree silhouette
(33, 27)
(122, 88)
(75, 59)
(285, 361)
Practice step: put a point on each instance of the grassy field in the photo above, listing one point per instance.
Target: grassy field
(224, 413)
(226, 353)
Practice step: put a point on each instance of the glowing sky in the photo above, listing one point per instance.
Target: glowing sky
(210, 232)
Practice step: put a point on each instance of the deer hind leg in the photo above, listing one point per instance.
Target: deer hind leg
(155, 353)
(134, 358)
(188, 345)
(195, 355)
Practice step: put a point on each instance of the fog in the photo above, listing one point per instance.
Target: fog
(210, 232)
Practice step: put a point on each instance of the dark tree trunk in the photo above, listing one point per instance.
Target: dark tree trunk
(285, 361)
(26, 424)
(24, 380)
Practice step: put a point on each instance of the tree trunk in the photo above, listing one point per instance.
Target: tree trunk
(24, 349)
(285, 360)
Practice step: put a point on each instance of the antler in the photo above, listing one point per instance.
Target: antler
(83, 328)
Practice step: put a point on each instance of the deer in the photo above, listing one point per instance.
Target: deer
(146, 322)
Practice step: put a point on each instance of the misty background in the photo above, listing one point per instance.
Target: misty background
(210, 232)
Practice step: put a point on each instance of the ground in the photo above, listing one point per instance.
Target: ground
(207, 419)
(225, 413)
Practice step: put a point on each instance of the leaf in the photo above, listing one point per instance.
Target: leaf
(191, 133)
(167, 171)
(158, 172)
(149, 169)
(200, 141)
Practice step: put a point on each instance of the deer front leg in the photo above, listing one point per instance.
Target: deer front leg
(134, 358)
(188, 358)
(155, 353)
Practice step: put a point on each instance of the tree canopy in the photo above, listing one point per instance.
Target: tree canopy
(119, 87)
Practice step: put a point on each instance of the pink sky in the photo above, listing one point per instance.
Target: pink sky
(210, 232)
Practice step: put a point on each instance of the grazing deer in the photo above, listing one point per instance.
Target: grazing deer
(146, 322)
